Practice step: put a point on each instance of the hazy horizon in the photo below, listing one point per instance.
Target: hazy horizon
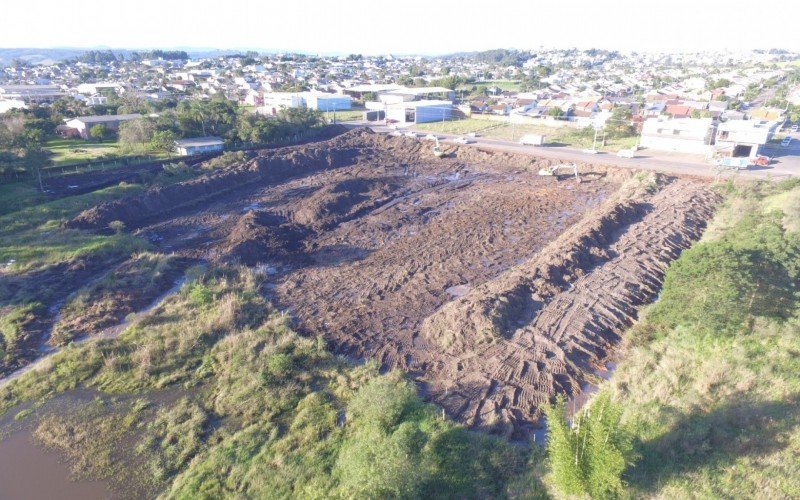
(411, 28)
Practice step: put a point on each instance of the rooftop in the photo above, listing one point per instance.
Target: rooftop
(199, 141)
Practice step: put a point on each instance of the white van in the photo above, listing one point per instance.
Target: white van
(626, 153)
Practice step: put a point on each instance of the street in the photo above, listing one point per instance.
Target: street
(786, 161)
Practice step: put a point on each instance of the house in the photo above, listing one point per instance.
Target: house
(684, 135)
(743, 138)
(84, 123)
(196, 145)
(678, 110)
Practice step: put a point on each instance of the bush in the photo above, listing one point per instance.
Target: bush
(590, 455)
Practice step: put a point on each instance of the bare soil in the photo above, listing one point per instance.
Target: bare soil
(494, 287)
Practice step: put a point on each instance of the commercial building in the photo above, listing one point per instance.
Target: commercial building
(196, 145)
(419, 111)
(684, 135)
(322, 101)
(31, 94)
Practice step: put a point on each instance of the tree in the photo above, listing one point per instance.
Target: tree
(135, 134)
(98, 132)
(590, 455)
(163, 141)
(555, 112)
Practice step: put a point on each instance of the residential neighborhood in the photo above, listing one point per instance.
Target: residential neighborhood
(709, 104)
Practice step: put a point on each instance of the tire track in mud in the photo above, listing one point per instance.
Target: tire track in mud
(503, 378)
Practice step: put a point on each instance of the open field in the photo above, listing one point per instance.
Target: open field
(344, 115)
(67, 151)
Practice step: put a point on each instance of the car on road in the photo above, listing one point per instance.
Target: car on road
(464, 140)
(431, 137)
(786, 142)
(795, 127)
(591, 151)
(410, 134)
(396, 133)
(626, 153)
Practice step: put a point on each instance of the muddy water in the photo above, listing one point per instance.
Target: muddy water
(28, 472)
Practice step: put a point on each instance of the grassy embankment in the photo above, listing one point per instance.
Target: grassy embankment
(554, 136)
(710, 381)
(42, 261)
(225, 400)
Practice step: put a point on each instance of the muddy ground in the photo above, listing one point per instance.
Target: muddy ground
(495, 287)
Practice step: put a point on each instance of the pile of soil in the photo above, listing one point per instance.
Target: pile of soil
(262, 237)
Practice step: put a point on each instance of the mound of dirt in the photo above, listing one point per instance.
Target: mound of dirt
(344, 200)
(269, 166)
(264, 237)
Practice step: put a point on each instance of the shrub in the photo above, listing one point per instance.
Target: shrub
(590, 455)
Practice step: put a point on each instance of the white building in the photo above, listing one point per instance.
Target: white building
(196, 145)
(684, 135)
(420, 111)
(323, 101)
(743, 138)
(31, 93)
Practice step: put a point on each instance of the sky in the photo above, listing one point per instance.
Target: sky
(427, 27)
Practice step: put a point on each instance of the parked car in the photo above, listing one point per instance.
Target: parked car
(463, 140)
(431, 137)
(591, 151)
(396, 133)
(410, 134)
(795, 127)
(786, 142)
(626, 153)
(532, 140)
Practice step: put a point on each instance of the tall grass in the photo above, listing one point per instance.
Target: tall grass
(711, 379)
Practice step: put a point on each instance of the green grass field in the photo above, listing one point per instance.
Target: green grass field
(66, 151)
(345, 115)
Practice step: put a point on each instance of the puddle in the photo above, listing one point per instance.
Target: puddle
(575, 403)
(29, 472)
(458, 290)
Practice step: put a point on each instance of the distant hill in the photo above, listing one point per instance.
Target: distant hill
(54, 55)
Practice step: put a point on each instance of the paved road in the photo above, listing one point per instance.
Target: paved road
(786, 164)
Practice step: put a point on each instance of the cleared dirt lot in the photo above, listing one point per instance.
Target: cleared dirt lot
(495, 287)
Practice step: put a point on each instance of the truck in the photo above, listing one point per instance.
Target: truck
(532, 140)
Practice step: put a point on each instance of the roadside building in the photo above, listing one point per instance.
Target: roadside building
(743, 138)
(274, 101)
(196, 145)
(83, 124)
(420, 111)
(684, 135)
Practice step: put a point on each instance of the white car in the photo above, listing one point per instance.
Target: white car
(795, 127)
(463, 140)
(591, 151)
(786, 142)
(410, 134)
(396, 133)
(431, 137)
(626, 153)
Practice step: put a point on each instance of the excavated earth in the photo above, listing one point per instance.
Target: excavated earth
(494, 287)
